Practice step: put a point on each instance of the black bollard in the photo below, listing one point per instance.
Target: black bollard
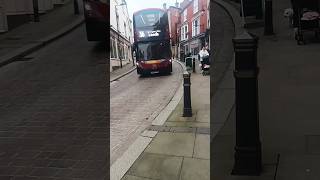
(36, 11)
(248, 147)
(193, 65)
(76, 7)
(259, 12)
(268, 21)
(187, 110)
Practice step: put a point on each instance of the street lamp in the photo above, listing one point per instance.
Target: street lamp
(117, 17)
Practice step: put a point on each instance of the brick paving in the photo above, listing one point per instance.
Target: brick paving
(133, 100)
(53, 113)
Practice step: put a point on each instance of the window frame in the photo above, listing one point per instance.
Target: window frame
(195, 6)
(184, 32)
(196, 29)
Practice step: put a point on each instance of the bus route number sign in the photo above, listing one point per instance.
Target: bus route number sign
(143, 34)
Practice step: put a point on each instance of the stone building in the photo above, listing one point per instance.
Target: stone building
(120, 34)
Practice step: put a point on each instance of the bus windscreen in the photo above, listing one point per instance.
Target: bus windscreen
(148, 18)
(153, 51)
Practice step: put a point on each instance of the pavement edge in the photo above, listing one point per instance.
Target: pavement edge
(29, 48)
(122, 75)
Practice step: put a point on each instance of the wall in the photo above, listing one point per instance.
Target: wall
(123, 18)
(174, 15)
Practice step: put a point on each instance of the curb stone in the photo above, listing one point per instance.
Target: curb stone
(29, 48)
(234, 14)
(122, 75)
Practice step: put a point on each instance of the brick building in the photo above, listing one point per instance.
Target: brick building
(193, 27)
(174, 20)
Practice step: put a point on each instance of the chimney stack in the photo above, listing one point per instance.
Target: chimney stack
(164, 6)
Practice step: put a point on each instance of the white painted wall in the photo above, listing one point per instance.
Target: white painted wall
(123, 19)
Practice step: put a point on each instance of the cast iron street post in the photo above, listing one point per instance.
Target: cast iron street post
(268, 26)
(248, 147)
(76, 6)
(259, 13)
(193, 65)
(187, 110)
(36, 11)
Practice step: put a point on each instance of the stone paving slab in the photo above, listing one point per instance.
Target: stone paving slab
(198, 169)
(156, 166)
(177, 144)
(202, 146)
(129, 177)
(187, 124)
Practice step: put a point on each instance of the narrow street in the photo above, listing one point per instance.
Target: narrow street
(133, 99)
(53, 112)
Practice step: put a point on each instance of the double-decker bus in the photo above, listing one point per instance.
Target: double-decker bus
(152, 41)
(96, 13)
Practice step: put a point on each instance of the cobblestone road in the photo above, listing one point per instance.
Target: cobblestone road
(134, 101)
(53, 113)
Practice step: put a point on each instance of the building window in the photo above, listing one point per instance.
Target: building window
(184, 15)
(125, 29)
(120, 52)
(184, 32)
(113, 49)
(195, 6)
(186, 49)
(195, 27)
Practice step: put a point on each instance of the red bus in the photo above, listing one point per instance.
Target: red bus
(96, 13)
(152, 41)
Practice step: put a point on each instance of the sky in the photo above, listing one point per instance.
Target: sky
(135, 5)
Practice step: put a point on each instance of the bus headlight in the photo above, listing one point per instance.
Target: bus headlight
(170, 60)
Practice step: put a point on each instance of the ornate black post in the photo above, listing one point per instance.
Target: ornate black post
(259, 13)
(187, 110)
(36, 11)
(76, 6)
(268, 26)
(248, 146)
(193, 65)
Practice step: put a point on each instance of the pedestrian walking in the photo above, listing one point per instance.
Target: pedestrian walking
(203, 55)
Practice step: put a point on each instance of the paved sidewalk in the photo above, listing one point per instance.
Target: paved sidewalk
(118, 72)
(180, 150)
(33, 35)
(288, 101)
